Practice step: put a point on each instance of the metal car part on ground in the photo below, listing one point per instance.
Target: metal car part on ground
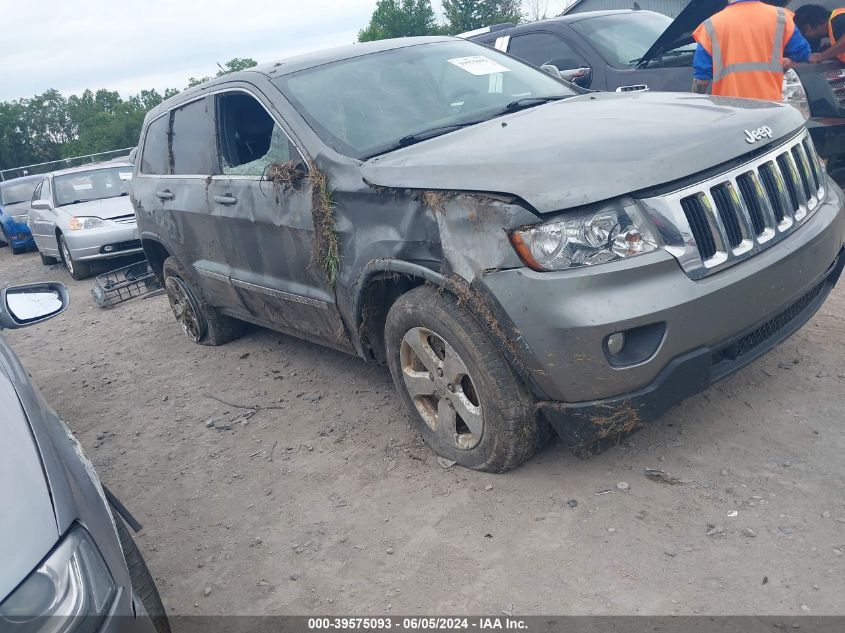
(518, 252)
(69, 563)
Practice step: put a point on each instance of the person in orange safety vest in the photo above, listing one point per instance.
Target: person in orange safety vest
(816, 23)
(741, 51)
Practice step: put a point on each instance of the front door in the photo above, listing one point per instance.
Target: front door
(263, 191)
(42, 222)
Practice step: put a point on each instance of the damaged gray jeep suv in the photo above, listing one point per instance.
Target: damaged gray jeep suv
(523, 255)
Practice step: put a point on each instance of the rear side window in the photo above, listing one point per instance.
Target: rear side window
(248, 138)
(191, 139)
(545, 48)
(155, 159)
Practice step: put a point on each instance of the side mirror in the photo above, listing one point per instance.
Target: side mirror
(41, 205)
(578, 76)
(25, 305)
(552, 70)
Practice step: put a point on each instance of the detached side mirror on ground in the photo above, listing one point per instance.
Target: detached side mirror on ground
(41, 205)
(25, 305)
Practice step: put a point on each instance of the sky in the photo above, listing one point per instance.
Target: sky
(130, 45)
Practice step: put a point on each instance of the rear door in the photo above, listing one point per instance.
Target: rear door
(269, 224)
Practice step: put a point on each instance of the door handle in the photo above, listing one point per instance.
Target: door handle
(165, 195)
(227, 199)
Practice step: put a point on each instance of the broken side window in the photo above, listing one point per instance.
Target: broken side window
(248, 138)
(155, 157)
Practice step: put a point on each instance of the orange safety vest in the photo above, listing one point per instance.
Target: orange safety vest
(746, 41)
(830, 30)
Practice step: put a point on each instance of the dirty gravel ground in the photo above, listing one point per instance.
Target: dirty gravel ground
(328, 502)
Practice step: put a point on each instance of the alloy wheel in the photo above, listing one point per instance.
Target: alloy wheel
(441, 388)
(66, 256)
(183, 307)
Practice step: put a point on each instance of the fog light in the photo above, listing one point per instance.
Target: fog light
(616, 343)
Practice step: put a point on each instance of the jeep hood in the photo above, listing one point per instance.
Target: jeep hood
(105, 209)
(679, 33)
(28, 529)
(586, 149)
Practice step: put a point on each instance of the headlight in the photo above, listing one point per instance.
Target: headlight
(77, 224)
(584, 239)
(794, 93)
(68, 593)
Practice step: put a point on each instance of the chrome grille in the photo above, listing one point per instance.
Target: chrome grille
(728, 218)
(124, 219)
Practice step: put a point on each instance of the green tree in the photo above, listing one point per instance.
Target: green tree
(399, 18)
(466, 15)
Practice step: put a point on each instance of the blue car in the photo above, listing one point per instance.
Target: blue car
(15, 196)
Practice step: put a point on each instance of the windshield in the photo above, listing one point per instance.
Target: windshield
(95, 184)
(13, 193)
(371, 104)
(623, 39)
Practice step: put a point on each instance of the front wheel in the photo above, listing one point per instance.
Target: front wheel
(466, 400)
(78, 270)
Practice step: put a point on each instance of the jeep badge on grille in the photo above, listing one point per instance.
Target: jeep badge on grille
(752, 136)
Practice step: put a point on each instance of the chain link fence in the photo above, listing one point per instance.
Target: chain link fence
(64, 163)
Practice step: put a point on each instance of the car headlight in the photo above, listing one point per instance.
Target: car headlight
(77, 224)
(69, 593)
(794, 93)
(585, 239)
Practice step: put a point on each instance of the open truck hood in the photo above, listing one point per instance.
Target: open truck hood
(679, 33)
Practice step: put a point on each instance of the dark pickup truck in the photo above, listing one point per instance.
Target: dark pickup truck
(633, 51)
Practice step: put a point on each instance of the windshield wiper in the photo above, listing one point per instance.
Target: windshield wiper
(423, 135)
(530, 102)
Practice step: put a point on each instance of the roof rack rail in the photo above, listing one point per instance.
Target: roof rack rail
(486, 29)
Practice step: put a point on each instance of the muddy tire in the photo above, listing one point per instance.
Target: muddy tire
(202, 323)
(77, 270)
(466, 400)
(143, 584)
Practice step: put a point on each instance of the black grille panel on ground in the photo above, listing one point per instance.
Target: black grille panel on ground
(697, 217)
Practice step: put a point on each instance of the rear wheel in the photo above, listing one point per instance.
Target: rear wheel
(78, 270)
(202, 323)
(143, 584)
(466, 400)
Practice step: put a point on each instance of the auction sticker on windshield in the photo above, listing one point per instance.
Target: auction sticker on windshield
(478, 65)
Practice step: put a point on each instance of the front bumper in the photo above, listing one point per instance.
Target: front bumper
(706, 328)
(109, 241)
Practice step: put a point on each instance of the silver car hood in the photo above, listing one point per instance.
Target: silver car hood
(105, 209)
(586, 149)
(28, 528)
